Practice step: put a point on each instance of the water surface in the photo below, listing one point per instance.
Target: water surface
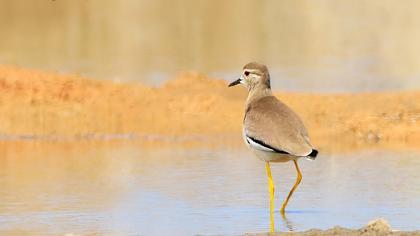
(130, 190)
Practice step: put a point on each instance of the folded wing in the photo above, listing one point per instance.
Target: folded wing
(273, 125)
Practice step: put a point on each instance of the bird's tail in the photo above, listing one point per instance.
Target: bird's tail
(312, 155)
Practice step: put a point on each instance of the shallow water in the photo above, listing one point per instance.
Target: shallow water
(128, 190)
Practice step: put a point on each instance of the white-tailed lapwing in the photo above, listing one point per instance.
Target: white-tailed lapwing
(270, 128)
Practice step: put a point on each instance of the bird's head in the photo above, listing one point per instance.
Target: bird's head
(254, 75)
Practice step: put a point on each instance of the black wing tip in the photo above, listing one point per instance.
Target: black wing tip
(267, 146)
(314, 153)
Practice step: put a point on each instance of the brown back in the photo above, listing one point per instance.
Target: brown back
(274, 123)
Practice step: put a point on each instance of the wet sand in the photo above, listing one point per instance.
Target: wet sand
(192, 108)
(375, 227)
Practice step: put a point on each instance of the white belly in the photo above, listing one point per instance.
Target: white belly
(272, 156)
(268, 155)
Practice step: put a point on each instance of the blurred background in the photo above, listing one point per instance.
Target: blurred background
(152, 143)
(320, 46)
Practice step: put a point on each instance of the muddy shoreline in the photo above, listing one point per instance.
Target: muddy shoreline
(378, 227)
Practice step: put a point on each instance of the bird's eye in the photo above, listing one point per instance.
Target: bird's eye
(246, 73)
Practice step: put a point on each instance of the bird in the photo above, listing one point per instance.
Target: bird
(271, 129)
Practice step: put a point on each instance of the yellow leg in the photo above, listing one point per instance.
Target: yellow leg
(271, 219)
(298, 179)
(271, 191)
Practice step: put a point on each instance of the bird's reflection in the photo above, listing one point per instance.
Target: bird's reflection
(271, 216)
(288, 224)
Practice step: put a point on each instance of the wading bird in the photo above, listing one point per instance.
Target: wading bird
(270, 128)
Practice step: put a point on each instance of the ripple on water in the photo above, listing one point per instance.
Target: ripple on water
(127, 189)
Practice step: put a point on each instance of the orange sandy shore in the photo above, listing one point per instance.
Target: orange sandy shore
(192, 105)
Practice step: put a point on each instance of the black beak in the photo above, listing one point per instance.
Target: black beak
(238, 81)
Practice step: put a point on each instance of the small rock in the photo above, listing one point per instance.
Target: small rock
(376, 227)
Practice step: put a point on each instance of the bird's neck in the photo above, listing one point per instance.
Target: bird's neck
(257, 93)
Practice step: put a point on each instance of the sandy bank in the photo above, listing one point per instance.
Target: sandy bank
(193, 105)
(377, 227)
